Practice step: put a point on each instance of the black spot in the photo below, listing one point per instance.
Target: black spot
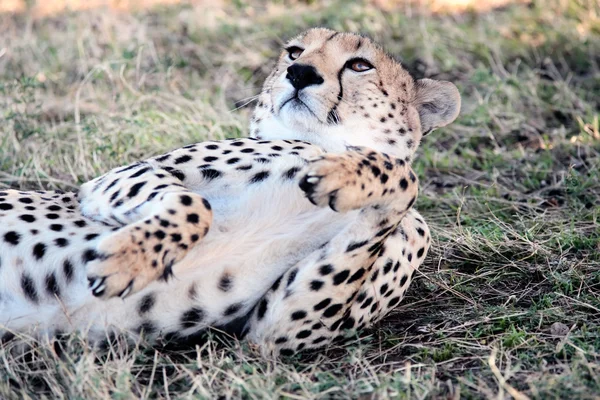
(28, 287)
(403, 280)
(376, 171)
(383, 288)
(303, 334)
(233, 160)
(158, 248)
(5, 206)
(262, 309)
(286, 352)
(210, 173)
(54, 207)
(52, 286)
(163, 158)
(115, 195)
(421, 231)
(384, 178)
(25, 200)
(403, 184)
(146, 303)
(316, 285)
(348, 323)
(326, 269)
(356, 276)
(276, 284)
(177, 174)
(135, 189)
(193, 218)
(136, 174)
(375, 275)
(192, 317)
(321, 305)
(160, 235)
(226, 282)
(91, 236)
(281, 339)
(259, 177)
(292, 277)
(61, 242)
(393, 301)
(52, 216)
(12, 237)
(80, 223)
(248, 150)
(388, 266)
(409, 257)
(89, 255)
(366, 303)
(27, 218)
(296, 315)
(186, 200)
(39, 250)
(232, 309)
(319, 339)
(420, 252)
(183, 159)
(356, 245)
(361, 297)
(291, 173)
(68, 270)
(332, 310)
(340, 277)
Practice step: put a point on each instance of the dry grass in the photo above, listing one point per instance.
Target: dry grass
(508, 303)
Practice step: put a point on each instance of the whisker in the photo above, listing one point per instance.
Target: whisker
(246, 101)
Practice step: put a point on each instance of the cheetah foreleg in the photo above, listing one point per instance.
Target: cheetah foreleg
(312, 303)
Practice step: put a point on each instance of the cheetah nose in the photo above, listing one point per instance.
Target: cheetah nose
(301, 76)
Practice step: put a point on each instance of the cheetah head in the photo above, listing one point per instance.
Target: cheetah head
(339, 90)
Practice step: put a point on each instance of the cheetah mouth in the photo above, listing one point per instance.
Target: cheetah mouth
(297, 104)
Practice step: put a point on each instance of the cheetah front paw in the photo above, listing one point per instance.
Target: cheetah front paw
(332, 181)
(140, 253)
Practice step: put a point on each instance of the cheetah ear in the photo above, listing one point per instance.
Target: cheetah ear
(438, 103)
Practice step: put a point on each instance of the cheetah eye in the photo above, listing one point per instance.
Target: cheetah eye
(294, 52)
(359, 65)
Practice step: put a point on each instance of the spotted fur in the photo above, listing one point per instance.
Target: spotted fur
(295, 236)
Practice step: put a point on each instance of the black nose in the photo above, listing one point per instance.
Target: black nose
(302, 76)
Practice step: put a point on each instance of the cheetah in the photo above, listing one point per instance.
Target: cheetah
(292, 238)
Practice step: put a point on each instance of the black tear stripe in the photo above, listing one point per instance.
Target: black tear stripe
(332, 116)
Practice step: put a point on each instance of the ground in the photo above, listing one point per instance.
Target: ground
(508, 301)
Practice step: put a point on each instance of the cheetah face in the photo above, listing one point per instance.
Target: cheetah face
(339, 90)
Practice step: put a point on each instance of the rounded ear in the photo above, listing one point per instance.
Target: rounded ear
(438, 103)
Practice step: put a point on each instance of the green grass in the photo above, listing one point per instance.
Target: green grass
(508, 301)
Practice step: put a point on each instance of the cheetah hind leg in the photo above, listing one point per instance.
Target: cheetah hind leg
(139, 253)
